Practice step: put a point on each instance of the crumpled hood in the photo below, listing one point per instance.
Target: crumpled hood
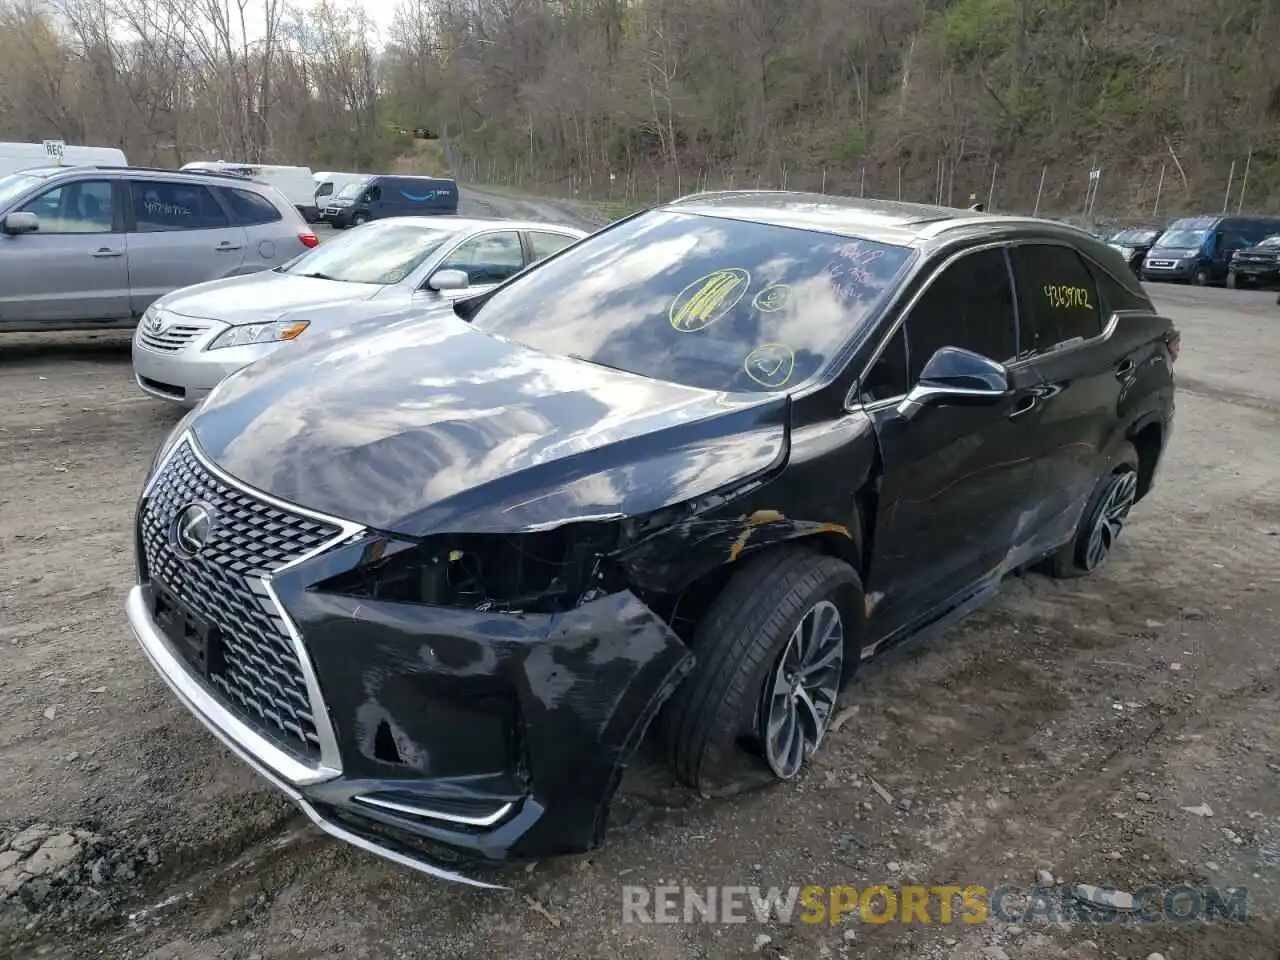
(260, 297)
(428, 425)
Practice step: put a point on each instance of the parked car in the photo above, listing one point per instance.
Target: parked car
(1133, 243)
(1199, 249)
(95, 246)
(435, 582)
(191, 339)
(296, 183)
(1256, 266)
(381, 196)
(329, 183)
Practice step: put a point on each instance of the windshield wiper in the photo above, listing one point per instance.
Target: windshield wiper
(317, 275)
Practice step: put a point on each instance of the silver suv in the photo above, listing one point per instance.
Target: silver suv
(94, 246)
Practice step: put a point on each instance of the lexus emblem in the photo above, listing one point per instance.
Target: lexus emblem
(192, 529)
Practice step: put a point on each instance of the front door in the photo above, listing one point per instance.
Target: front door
(179, 235)
(958, 488)
(73, 267)
(488, 260)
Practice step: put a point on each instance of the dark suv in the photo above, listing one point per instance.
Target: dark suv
(434, 582)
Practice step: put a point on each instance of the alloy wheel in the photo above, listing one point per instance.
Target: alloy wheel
(800, 694)
(1110, 517)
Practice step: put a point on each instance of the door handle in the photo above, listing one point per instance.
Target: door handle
(1025, 405)
(1125, 368)
(108, 252)
(227, 247)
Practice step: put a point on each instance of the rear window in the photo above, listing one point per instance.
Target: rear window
(703, 301)
(250, 209)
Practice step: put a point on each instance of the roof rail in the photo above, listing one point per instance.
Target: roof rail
(186, 173)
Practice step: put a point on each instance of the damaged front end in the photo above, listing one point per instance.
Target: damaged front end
(448, 701)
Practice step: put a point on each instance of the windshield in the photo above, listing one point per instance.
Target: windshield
(14, 185)
(382, 253)
(1182, 239)
(350, 191)
(1271, 242)
(1134, 235)
(703, 301)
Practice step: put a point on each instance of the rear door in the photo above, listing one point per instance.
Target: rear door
(179, 234)
(1065, 337)
(540, 244)
(74, 267)
(269, 239)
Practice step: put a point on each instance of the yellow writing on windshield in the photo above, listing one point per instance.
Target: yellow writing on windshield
(772, 298)
(1067, 297)
(707, 299)
(770, 364)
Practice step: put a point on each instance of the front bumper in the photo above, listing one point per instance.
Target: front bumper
(1260, 273)
(445, 739)
(1167, 268)
(185, 373)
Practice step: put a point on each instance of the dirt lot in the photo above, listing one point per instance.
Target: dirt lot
(1064, 728)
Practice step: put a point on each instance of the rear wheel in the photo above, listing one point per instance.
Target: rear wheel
(1103, 518)
(773, 651)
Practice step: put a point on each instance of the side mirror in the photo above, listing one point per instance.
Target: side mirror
(958, 376)
(21, 222)
(443, 280)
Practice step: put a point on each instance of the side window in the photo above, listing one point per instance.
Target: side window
(249, 208)
(1113, 295)
(81, 207)
(324, 190)
(373, 194)
(888, 375)
(1057, 297)
(545, 244)
(969, 306)
(160, 206)
(490, 258)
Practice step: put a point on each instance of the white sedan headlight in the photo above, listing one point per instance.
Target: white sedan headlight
(252, 333)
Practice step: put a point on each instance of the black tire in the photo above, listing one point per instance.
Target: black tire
(1070, 560)
(714, 713)
(1201, 277)
(1233, 281)
(358, 219)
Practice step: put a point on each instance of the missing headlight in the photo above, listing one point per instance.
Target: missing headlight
(542, 572)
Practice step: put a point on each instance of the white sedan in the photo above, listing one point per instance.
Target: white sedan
(191, 339)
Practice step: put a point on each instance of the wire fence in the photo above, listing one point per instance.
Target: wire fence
(1146, 192)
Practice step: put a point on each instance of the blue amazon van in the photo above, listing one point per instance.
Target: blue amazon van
(1199, 249)
(379, 197)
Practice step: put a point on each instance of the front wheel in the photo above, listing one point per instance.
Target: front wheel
(358, 219)
(1201, 277)
(1233, 281)
(773, 651)
(1104, 516)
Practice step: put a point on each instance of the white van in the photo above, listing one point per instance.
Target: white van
(329, 183)
(26, 156)
(296, 183)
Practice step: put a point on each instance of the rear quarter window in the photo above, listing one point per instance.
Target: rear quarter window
(250, 209)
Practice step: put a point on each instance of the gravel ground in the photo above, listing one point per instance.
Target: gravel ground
(1066, 728)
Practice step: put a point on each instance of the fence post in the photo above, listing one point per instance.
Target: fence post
(1159, 189)
(1231, 176)
(899, 181)
(824, 179)
(862, 183)
(991, 193)
(1244, 183)
(1040, 190)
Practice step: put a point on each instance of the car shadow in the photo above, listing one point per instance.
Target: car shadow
(109, 346)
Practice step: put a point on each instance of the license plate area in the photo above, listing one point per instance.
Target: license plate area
(198, 642)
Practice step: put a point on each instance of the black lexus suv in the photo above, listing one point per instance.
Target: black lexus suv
(434, 580)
